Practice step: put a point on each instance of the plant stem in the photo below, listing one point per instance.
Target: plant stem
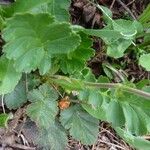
(125, 88)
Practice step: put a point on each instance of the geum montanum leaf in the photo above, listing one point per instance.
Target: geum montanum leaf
(138, 142)
(17, 97)
(9, 77)
(125, 109)
(76, 60)
(53, 138)
(81, 125)
(60, 10)
(43, 108)
(24, 6)
(32, 40)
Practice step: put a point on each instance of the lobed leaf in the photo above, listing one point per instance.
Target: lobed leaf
(120, 108)
(43, 108)
(76, 60)
(17, 97)
(138, 142)
(60, 10)
(52, 138)
(23, 6)
(32, 40)
(9, 77)
(81, 125)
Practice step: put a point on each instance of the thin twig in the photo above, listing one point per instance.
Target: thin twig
(127, 9)
(130, 3)
(57, 91)
(112, 4)
(19, 146)
(108, 143)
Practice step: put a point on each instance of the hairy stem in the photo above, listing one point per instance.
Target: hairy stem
(123, 87)
(57, 78)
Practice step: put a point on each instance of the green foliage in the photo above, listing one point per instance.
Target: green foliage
(81, 125)
(118, 34)
(53, 138)
(27, 6)
(44, 106)
(40, 40)
(118, 37)
(17, 97)
(3, 120)
(9, 77)
(43, 37)
(144, 61)
(59, 10)
(144, 18)
(71, 62)
(138, 142)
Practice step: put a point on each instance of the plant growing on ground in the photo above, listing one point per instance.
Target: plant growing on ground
(42, 49)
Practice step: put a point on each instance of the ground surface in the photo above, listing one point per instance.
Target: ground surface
(21, 131)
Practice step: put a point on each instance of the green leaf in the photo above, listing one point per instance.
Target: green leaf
(116, 44)
(24, 6)
(107, 14)
(116, 49)
(144, 18)
(137, 142)
(81, 125)
(137, 121)
(144, 61)
(117, 107)
(90, 102)
(76, 60)
(17, 97)
(128, 29)
(108, 35)
(3, 120)
(60, 10)
(43, 108)
(52, 138)
(94, 100)
(8, 76)
(115, 115)
(32, 40)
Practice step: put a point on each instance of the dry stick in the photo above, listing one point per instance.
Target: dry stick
(23, 147)
(112, 144)
(130, 3)
(126, 8)
(112, 4)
